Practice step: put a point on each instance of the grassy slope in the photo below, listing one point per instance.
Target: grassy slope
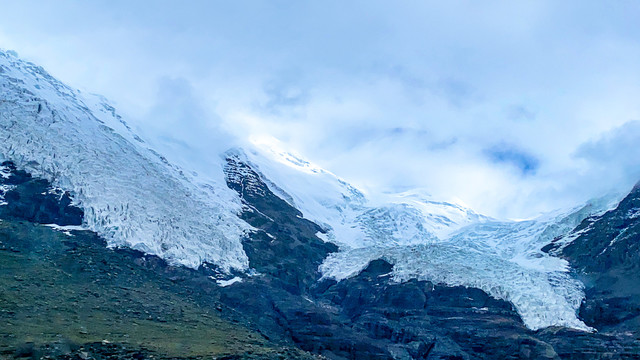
(59, 288)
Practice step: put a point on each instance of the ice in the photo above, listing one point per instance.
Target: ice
(3, 190)
(442, 242)
(497, 257)
(225, 283)
(131, 195)
(5, 172)
(352, 219)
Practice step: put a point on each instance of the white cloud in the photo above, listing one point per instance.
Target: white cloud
(398, 96)
(613, 159)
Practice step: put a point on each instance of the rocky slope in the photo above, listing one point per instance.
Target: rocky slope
(605, 251)
(146, 307)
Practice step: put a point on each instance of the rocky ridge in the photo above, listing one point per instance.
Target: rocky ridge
(605, 253)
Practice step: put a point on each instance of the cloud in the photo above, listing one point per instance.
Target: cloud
(184, 129)
(178, 114)
(526, 163)
(613, 159)
(457, 92)
(520, 113)
(416, 94)
(286, 92)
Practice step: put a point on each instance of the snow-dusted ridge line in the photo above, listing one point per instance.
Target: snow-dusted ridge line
(131, 195)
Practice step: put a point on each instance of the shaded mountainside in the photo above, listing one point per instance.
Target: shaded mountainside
(63, 294)
(610, 241)
(605, 250)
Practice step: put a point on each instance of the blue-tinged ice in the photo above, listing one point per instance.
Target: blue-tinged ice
(131, 195)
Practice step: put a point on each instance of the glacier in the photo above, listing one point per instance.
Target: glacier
(351, 218)
(134, 196)
(442, 242)
(131, 195)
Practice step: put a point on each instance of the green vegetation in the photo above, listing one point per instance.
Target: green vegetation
(60, 288)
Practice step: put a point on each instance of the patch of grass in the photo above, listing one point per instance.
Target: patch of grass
(54, 287)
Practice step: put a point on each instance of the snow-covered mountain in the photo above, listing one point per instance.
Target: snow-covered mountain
(135, 197)
(437, 241)
(351, 218)
(131, 195)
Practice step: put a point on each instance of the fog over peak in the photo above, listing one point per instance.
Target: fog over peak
(513, 109)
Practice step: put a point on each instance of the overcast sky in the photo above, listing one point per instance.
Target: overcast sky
(513, 108)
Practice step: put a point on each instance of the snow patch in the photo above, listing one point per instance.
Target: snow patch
(3, 190)
(5, 172)
(66, 229)
(225, 283)
(322, 236)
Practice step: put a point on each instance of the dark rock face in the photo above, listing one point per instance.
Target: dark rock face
(36, 201)
(611, 241)
(606, 255)
(286, 247)
(419, 320)
(577, 345)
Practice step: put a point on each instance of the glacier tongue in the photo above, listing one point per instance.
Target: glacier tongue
(501, 258)
(131, 195)
(429, 240)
